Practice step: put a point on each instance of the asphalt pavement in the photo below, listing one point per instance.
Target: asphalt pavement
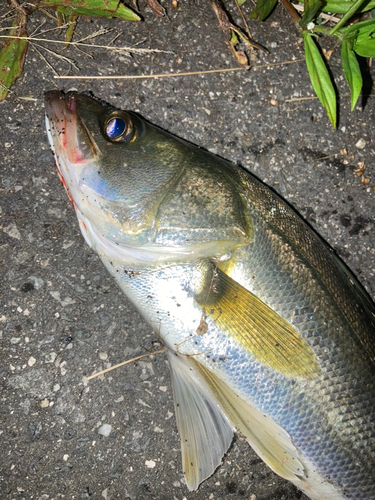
(62, 317)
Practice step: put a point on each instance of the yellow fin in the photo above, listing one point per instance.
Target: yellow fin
(259, 329)
(268, 439)
(205, 431)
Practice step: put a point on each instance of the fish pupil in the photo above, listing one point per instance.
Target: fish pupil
(115, 128)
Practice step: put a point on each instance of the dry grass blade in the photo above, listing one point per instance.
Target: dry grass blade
(124, 363)
(260, 66)
(114, 39)
(38, 27)
(59, 56)
(137, 77)
(59, 28)
(101, 31)
(9, 28)
(46, 13)
(92, 45)
(171, 75)
(8, 15)
(44, 59)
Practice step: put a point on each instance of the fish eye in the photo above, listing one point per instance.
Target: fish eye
(118, 127)
(115, 128)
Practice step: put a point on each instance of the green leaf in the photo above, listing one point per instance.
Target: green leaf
(312, 7)
(70, 30)
(352, 71)
(263, 9)
(12, 55)
(353, 9)
(241, 2)
(319, 76)
(354, 28)
(342, 6)
(364, 43)
(95, 8)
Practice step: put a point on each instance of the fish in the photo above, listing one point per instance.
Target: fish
(267, 332)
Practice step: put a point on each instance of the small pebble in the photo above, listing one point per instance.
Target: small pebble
(50, 358)
(150, 464)
(31, 361)
(360, 144)
(12, 231)
(105, 430)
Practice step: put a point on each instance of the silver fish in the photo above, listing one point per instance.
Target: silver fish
(267, 331)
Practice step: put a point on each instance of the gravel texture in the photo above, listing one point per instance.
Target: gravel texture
(62, 317)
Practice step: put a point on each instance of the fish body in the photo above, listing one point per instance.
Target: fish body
(267, 331)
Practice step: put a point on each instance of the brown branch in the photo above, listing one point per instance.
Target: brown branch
(243, 19)
(289, 7)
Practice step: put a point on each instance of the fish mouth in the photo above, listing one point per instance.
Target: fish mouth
(61, 118)
(71, 143)
(66, 131)
(61, 126)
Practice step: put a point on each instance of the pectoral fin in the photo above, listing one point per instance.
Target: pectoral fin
(259, 329)
(268, 439)
(204, 429)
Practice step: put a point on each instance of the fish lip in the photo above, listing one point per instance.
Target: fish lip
(58, 103)
(62, 121)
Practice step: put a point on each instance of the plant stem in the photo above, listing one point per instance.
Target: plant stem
(347, 16)
(289, 7)
(243, 19)
(322, 29)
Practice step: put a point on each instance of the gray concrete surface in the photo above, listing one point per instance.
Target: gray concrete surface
(62, 317)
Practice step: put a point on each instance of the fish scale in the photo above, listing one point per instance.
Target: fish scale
(267, 332)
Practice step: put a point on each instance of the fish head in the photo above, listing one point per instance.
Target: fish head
(114, 166)
(141, 194)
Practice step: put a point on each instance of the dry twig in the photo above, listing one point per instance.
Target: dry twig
(124, 363)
